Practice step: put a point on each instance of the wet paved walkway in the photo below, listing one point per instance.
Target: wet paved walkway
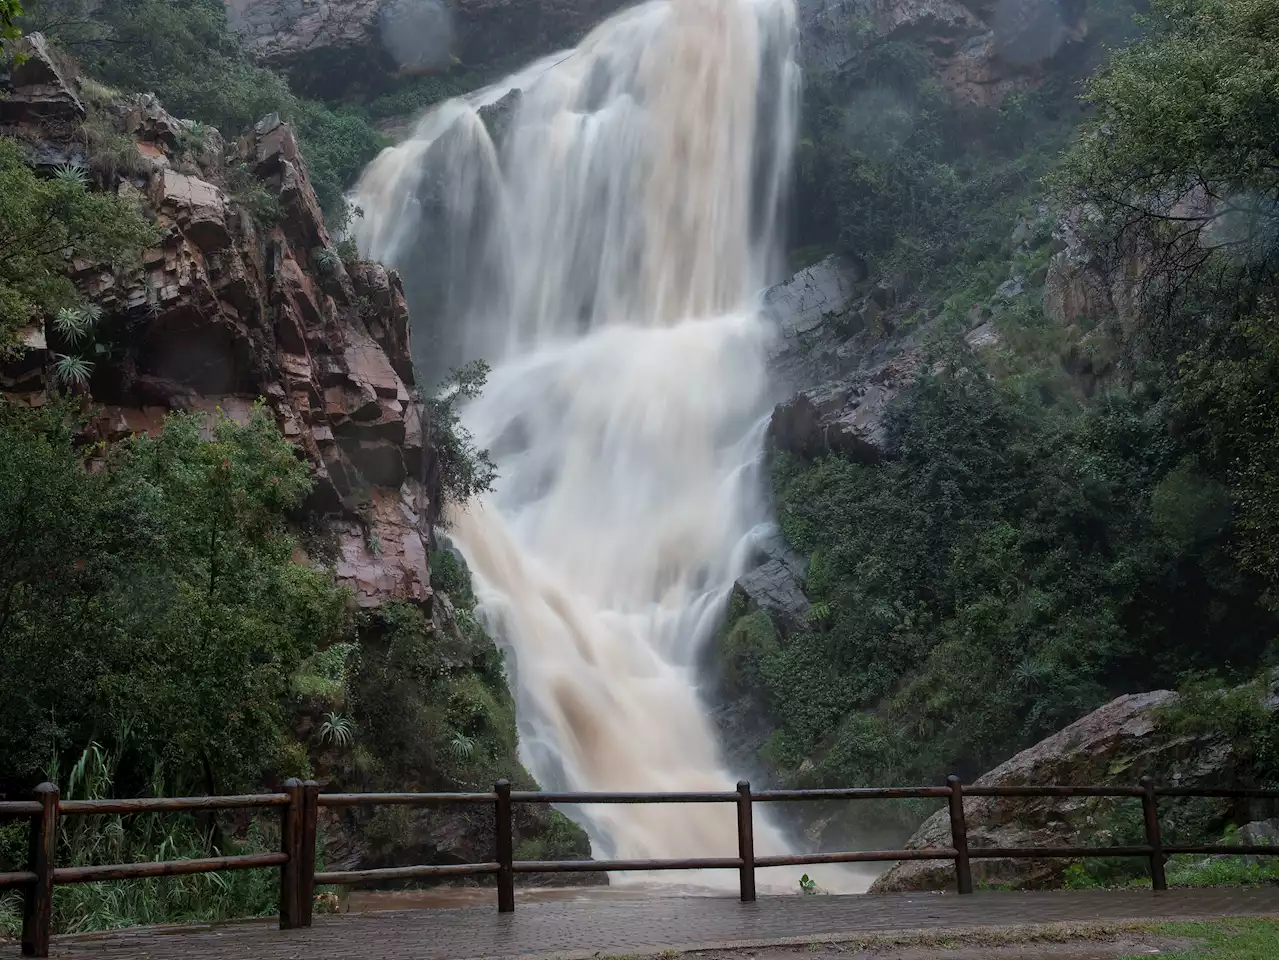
(585, 929)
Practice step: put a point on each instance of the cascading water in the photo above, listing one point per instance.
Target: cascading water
(605, 259)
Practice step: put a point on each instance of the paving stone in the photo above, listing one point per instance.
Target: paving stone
(581, 929)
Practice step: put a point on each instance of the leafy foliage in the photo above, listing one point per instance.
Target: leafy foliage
(88, 841)
(162, 589)
(893, 171)
(457, 469)
(42, 219)
(180, 50)
(1180, 154)
(1006, 572)
(436, 700)
(10, 11)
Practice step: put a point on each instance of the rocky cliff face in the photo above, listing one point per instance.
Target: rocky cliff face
(227, 310)
(331, 47)
(1116, 744)
(983, 50)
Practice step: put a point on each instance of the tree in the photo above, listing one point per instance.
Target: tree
(455, 470)
(41, 220)
(1179, 159)
(152, 601)
(10, 11)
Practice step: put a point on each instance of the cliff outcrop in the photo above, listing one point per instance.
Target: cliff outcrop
(244, 299)
(328, 48)
(983, 50)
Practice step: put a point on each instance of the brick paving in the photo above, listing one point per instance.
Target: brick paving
(584, 929)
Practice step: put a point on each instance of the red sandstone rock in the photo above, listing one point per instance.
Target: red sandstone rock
(228, 312)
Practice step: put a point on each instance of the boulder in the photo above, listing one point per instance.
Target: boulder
(1118, 743)
(196, 206)
(811, 315)
(803, 303)
(844, 417)
(983, 335)
(774, 585)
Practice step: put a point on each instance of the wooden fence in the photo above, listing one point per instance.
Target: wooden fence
(300, 803)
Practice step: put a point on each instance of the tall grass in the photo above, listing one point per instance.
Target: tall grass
(136, 838)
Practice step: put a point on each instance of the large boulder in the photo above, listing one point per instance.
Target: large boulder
(773, 585)
(807, 316)
(1118, 743)
(845, 417)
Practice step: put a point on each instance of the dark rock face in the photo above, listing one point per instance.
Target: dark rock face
(982, 50)
(329, 48)
(40, 91)
(844, 417)
(1116, 744)
(774, 585)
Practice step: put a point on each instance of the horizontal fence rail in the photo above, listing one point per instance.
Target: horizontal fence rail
(300, 803)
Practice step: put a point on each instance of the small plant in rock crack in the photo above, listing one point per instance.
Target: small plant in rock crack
(71, 372)
(72, 175)
(338, 730)
(327, 260)
(75, 324)
(807, 885)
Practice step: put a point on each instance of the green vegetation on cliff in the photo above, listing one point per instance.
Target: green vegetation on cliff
(184, 52)
(41, 219)
(1026, 552)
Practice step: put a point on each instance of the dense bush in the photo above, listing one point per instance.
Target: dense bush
(41, 219)
(1011, 568)
(893, 170)
(152, 605)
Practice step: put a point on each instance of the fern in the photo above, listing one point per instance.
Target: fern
(820, 612)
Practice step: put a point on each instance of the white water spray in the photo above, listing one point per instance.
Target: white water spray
(605, 259)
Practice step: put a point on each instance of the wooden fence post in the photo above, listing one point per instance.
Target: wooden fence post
(746, 845)
(1151, 822)
(502, 835)
(291, 847)
(307, 852)
(959, 836)
(37, 915)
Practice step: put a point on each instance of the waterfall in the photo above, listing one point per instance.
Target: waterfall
(605, 256)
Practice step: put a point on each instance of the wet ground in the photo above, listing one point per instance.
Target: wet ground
(600, 925)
